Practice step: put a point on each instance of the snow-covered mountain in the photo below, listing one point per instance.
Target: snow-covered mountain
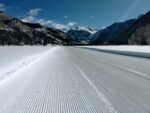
(76, 27)
(81, 34)
(84, 28)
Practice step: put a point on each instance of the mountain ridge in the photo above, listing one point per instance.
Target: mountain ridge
(137, 34)
(130, 32)
(15, 32)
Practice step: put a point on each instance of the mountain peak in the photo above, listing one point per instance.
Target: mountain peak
(80, 28)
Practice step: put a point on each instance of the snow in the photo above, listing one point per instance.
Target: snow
(15, 59)
(103, 98)
(90, 30)
(59, 80)
(84, 28)
(10, 54)
(144, 49)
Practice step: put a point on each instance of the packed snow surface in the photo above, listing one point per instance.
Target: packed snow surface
(14, 59)
(11, 54)
(72, 80)
(145, 49)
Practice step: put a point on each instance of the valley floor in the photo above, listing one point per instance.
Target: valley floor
(72, 80)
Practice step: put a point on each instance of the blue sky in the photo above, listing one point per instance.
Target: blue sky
(94, 13)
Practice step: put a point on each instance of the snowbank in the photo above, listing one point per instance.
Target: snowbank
(136, 51)
(143, 49)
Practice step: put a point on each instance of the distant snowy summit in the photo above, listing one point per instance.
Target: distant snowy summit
(76, 27)
(82, 34)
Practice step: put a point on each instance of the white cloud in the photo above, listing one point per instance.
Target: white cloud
(34, 12)
(31, 15)
(56, 25)
(71, 24)
(51, 23)
(2, 7)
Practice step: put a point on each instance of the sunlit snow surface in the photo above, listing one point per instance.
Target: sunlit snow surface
(14, 59)
(47, 81)
(72, 80)
(145, 49)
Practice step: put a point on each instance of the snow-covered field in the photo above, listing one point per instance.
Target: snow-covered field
(10, 54)
(14, 58)
(145, 49)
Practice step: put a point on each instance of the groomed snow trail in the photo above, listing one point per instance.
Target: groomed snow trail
(74, 80)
